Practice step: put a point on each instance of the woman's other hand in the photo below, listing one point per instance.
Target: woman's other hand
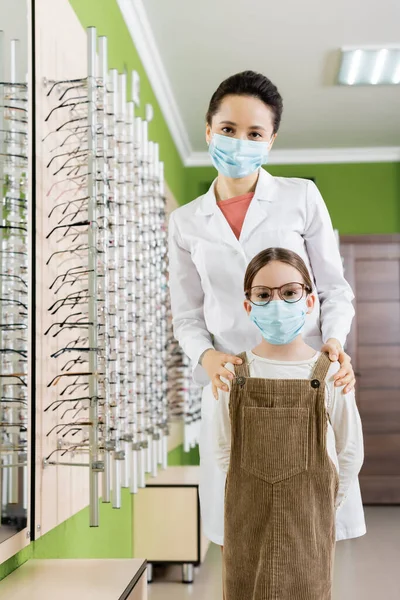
(214, 364)
(345, 376)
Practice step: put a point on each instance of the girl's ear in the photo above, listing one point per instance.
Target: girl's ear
(247, 306)
(311, 299)
(271, 143)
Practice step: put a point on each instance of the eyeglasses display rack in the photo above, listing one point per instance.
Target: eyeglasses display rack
(107, 235)
(14, 294)
(184, 396)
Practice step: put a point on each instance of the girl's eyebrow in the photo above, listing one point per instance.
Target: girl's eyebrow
(227, 123)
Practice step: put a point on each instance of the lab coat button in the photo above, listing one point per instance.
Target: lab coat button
(315, 384)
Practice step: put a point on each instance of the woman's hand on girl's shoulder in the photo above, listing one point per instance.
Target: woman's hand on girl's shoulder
(213, 362)
(345, 376)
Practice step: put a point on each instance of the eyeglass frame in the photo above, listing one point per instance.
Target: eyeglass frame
(305, 288)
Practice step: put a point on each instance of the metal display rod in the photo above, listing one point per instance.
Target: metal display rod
(92, 279)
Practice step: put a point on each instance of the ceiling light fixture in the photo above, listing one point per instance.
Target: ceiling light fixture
(354, 67)
(379, 64)
(396, 76)
(372, 65)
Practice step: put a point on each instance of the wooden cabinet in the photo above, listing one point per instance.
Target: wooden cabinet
(372, 267)
(166, 521)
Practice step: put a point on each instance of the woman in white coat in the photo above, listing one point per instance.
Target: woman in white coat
(211, 242)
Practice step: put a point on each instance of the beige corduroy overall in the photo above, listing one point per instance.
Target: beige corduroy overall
(280, 490)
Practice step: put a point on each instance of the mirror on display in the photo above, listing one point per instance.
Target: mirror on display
(14, 273)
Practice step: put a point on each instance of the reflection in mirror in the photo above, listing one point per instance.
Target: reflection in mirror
(14, 290)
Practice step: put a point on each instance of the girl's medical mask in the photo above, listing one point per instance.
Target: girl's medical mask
(280, 322)
(237, 158)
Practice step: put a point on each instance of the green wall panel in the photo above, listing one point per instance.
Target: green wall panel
(15, 561)
(75, 539)
(178, 457)
(361, 198)
(122, 55)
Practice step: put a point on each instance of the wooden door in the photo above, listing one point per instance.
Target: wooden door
(372, 267)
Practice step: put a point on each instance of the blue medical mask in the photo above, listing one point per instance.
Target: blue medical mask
(237, 158)
(280, 322)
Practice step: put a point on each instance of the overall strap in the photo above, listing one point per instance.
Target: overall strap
(321, 368)
(243, 369)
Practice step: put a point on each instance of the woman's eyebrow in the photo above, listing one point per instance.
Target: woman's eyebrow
(233, 124)
(258, 127)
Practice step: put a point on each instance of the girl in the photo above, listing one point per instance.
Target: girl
(211, 242)
(290, 441)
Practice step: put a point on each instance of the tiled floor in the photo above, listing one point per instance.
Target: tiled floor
(365, 569)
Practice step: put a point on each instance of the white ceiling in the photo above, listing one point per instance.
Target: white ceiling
(294, 43)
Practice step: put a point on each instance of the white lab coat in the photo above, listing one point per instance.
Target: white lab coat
(207, 267)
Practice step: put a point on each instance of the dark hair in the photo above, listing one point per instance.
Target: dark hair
(248, 83)
(276, 254)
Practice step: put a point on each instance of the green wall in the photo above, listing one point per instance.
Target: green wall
(122, 55)
(361, 198)
(15, 561)
(179, 457)
(75, 539)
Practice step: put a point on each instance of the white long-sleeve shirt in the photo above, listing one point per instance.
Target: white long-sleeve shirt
(207, 264)
(344, 438)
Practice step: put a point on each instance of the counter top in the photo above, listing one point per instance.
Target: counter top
(179, 476)
(83, 579)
